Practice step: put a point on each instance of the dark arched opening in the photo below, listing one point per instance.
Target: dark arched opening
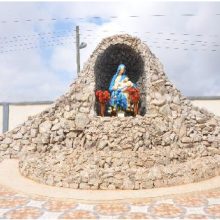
(106, 66)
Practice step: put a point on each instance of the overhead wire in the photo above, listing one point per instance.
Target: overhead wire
(44, 36)
(33, 39)
(33, 42)
(174, 41)
(34, 45)
(40, 35)
(37, 35)
(69, 38)
(95, 17)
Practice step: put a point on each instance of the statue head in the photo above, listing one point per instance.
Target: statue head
(126, 79)
(121, 69)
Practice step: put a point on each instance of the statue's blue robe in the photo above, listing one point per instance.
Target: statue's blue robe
(117, 97)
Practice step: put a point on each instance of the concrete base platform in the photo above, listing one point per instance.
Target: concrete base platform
(10, 177)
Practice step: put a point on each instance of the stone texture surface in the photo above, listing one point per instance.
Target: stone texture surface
(172, 142)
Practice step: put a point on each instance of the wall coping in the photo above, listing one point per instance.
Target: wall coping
(28, 103)
(203, 97)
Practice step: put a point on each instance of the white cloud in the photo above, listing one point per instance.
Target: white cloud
(32, 75)
(64, 59)
(32, 83)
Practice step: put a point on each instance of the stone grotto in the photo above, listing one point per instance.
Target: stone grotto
(170, 142)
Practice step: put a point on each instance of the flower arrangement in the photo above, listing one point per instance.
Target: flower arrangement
(134, 94)
(103, 96)
(135, 98)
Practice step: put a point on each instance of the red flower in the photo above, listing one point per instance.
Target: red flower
(134, 94)
(103, 96)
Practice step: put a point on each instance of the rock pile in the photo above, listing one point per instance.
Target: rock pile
(68, 145)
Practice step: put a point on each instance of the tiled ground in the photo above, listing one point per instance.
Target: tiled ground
(197, 205)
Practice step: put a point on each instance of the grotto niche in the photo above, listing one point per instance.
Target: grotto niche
(106, 66)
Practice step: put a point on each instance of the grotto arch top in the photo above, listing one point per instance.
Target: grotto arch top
(143, 68)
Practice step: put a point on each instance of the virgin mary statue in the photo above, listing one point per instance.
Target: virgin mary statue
(117, 88)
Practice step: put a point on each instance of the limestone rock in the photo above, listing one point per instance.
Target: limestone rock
(55, 127)
(102, 145)
(201, 118)
(34, 132)
(45, 127)
(4, 147)
(159, 102)
(84, 186)
(69, 143)
(128, 184)
(183, 131)
(187, 140)
(176, 100)
(70, 115)
(17, 136)
(81, 120)
(84, 110)
(7, 141)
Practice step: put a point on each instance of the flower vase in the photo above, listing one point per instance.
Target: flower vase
(102, 109)
(121, 114)
(135, 108)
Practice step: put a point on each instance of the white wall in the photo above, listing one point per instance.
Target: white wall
(19, 113)
(211, 105)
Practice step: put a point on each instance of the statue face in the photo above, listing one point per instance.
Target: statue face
(121, 70)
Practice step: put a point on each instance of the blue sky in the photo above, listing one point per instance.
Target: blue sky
(42, 63)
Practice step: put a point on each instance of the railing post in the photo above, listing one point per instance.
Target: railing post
(5, 116)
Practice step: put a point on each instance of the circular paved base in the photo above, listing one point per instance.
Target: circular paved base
(11, 177)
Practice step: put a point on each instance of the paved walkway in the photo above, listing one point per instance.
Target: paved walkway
(15, 204)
